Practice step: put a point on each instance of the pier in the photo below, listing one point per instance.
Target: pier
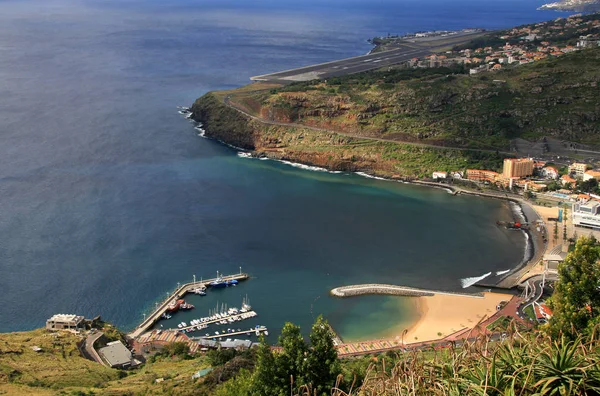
(180, 292)
(260, 329)
(394, 290)
(249, 314)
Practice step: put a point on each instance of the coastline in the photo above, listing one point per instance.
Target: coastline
(246, 149)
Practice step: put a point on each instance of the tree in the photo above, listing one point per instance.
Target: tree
(291, 361)
(576, 299)
(323, 365)
(264, 380)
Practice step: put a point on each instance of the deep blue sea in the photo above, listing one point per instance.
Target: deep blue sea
(108, 197)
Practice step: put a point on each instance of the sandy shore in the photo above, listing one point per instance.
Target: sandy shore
(442, 315)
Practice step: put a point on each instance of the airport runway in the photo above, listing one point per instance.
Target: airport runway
(346, 66)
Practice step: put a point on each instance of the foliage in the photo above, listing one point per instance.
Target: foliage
(530, 364)
(297, 365)
(576, 299)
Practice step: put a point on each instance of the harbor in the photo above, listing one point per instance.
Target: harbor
(162, 309)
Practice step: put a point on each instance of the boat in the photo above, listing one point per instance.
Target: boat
(246, 305)
(266, 332)
(186, 306)
(174, 305)
(219, 282)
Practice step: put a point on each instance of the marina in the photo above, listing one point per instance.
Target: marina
(220, 320)
(257, 331)
(175, 299)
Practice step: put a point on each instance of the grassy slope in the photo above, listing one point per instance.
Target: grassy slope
(555, 97)
(60, 369)
(332, 150)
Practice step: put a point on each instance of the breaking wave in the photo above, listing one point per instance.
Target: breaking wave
(502, 272)
(466, 282)
(363, 174)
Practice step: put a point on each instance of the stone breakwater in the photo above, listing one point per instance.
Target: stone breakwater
(394, 290)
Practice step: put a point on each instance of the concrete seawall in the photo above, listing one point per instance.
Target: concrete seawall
(394, 290)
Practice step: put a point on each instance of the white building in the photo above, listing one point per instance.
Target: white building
(117, 355)
(440, 175)
(65, 322)
(587, 214)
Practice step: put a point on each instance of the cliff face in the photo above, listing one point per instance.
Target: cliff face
(224, 123)
(331, 150)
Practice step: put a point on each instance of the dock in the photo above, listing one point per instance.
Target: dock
(251, 314)
(180, 292)
(260, 329)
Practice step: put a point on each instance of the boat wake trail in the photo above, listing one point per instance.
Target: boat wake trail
(466, 282)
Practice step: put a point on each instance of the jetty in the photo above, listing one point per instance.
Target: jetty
(260, 329)
(180, 292)
(394, 290)
(243, 315)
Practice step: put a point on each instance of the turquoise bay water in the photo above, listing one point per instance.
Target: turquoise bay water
(108, 198)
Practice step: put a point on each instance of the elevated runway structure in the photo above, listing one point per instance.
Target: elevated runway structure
(403, 51)
(345, 66)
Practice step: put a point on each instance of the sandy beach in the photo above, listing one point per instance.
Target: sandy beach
(442, 315)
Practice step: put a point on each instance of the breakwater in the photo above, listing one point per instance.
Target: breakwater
(394, 290)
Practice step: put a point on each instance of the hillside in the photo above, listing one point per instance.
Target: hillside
(59, 369)
(556, 98)
(363, 121)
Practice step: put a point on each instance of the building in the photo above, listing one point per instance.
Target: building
(550, 172)
(65, 322)
(591, 174)
(517, 167)
(482, 175)
(577, 169)
(553, 258)
(586, 215)
(566, 179)
(116, 355)
(440, 175)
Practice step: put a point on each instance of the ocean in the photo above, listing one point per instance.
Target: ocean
(108, 198)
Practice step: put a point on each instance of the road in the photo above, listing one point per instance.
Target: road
(233, 105)
(347, 66)
(88, 347)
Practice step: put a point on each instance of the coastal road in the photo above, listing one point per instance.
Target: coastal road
(89, 349)
(228, 102)
(343, 67)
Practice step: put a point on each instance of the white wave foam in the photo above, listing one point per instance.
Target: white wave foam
(518, 210)
(466, 282)
(201, 131)
(502, 272)
(242, 154)
(305, 167)
(363, 174)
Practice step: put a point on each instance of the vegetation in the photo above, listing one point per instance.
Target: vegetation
(555, 97)
(576, 298)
